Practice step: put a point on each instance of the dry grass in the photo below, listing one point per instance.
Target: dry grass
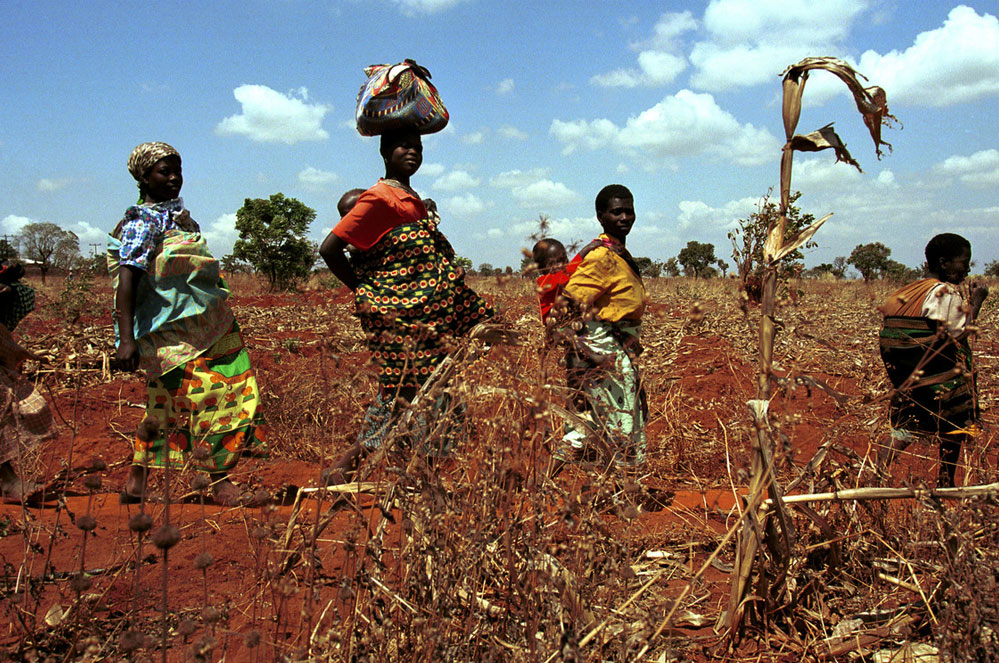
(480, 556)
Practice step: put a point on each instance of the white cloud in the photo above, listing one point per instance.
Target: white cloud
(221, 234)
(670, 26)
(432, 169)
(696, 213)
(751, 41)
(533, 189)
(517, 178)
(618, 78)
(12, 224)
(53, 184)
(474, 138)
(505, 86)
(89, 235)
(656, 68)
(722, 68)
(568, 230)
(660, 68)
(271, 117)
(544, 194)
(955, 63)
(741, 21)
(456, 180)
(823, 174)
(316, 180)
(511, 132)
(658, 62)
(414, 7)
(979, 169)
(465, 206)
(886, 179)
(684, 124)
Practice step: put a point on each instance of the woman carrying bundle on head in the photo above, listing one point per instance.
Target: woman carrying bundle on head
(410, 295)
(173, 321)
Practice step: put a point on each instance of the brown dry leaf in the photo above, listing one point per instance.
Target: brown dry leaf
(824, 139)
(871, 101)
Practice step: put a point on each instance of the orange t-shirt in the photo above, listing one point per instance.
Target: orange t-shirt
(550, 286)
(378, 210)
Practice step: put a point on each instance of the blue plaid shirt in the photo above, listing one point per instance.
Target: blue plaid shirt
(142, 230)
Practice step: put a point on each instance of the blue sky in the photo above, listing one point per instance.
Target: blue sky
(549, 101)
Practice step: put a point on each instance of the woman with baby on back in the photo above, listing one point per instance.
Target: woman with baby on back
(410, 294)
(173, 321)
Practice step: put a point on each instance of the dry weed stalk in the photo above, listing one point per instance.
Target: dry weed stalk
(873, 107)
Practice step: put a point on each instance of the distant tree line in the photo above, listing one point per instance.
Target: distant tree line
(273, 242)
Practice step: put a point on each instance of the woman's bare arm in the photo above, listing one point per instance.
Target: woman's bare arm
(127, 355)
(333, 251)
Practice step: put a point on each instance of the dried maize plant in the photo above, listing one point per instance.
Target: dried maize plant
(774, 525)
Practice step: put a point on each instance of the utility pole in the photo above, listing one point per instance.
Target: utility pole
(94, 248)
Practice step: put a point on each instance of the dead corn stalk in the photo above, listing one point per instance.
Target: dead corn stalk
(757, 523)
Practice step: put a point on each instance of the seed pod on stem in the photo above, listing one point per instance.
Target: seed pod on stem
(166, 537)
(140, 522)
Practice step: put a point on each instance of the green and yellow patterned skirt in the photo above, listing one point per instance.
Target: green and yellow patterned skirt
(211, 403)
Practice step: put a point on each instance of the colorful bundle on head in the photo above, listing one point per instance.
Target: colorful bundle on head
(399, 96)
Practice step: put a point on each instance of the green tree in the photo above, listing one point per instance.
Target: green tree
(49, 246)
(95, 265)
(696, 259)
(272, 239)
(750, 236)
(486, 269)
(464, 263)
(723, 266)
(230, 265)
(671, 268)
(7, 250)
(992, 268)
(648, 268)
(871, 260)
(896, 271)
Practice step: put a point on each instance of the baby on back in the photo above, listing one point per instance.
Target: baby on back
(553, 273)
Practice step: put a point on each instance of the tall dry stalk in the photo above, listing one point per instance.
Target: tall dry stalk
(872, 105)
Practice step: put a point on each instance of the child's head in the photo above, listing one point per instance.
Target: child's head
(948, 257)
(549, 255)
(347, 201)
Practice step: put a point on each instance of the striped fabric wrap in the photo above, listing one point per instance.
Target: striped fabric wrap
(410, 300)
(181, 309)
(932, 374)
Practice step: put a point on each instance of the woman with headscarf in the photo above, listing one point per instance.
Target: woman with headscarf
(410, 294)
(173, 321)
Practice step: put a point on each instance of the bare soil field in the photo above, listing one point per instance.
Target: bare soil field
(479, 556)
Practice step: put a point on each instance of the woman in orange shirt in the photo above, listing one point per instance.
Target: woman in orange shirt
(409, 292)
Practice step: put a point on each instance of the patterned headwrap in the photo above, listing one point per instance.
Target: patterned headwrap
(144, 156)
